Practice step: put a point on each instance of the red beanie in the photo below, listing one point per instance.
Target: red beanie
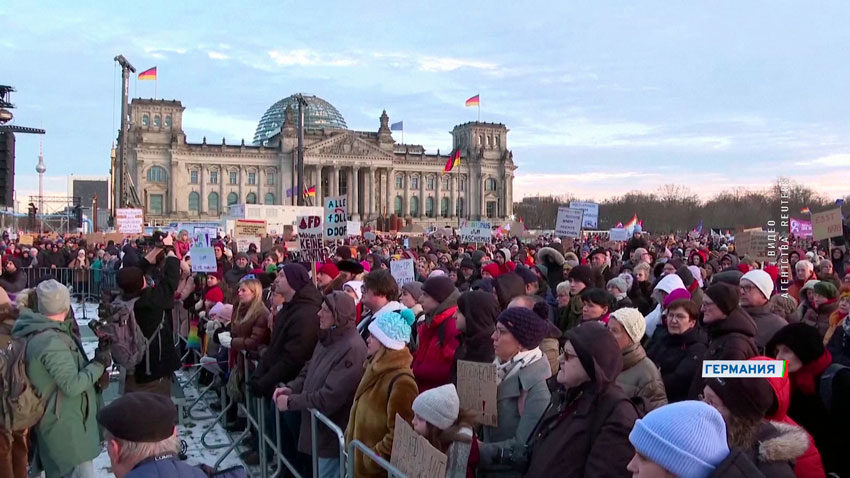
(330, 269)
(492, 269)
(214, 294)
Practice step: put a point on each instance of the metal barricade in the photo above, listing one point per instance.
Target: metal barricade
(316, 416)
(86, 285)
(359, 445)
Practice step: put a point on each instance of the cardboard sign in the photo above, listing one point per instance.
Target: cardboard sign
(826, 224)
(590, 218)
(336, 217)
(801, 228)
(310, 238)
(754, 244)
(403, 271)
(249, 228)
(475, 231)
(244, 243)
(129, 221)
(477, 390)
(413, 455)
(618, 234)
(569, 222)
(203, 259)
(25, 240)
(353, 228)
(414, 242)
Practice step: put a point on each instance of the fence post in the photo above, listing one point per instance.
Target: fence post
(392, 471)
(317, 415)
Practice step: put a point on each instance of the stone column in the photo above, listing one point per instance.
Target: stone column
(438, 187)
(422, 180)
(370, 189)
(453, 200)
(239, 180)
(509, 196)
(355, 193)
(390, 192)
(482, 203)
(222, 201)
(261, 196)
(405, 206)
(202, 180)
(318, 178)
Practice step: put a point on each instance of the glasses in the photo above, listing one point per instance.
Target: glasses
(706, 304)
(501, 330)
(678, 317)
(746, 288)
(565, 356)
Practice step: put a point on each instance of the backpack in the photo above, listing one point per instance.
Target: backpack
(21, 406)
(825, 385)
(127, 344)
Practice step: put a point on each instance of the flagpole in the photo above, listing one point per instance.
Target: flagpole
(155, 85)
(479, 109)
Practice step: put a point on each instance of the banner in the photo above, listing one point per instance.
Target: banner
(590, 219)
(336, 217)
(129, 221)
(826, 224)
(310, 238)
(476, 388)
(475, 231)
(249, 228)
(801, 228)
(403, 271)
(413, 455)
(618, 234)
(569, 222)
(203, 259)
(353, 228)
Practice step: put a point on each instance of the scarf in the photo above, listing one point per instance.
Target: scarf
(836, 319)
(516, 363)
(804, 379)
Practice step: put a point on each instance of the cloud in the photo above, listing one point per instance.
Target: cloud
(161, 53)
(215, 55)
(306, 57)
(445, 64)
(836, 160)
(206, 121)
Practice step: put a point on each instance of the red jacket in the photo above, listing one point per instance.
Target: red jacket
(432, 363)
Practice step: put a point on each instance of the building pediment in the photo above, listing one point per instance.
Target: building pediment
(347, 145)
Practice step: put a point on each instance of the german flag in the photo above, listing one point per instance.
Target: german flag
(149, 74)
(474, 101)
(310, 192)
(453, 162)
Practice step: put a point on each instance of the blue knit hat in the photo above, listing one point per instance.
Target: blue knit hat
(685, 438)
(391, 329)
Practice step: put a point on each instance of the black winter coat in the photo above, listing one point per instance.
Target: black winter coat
(732, 338)
(13, 283)
(294, 336)
(678, 357)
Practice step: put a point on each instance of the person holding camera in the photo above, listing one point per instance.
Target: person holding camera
(152, 310)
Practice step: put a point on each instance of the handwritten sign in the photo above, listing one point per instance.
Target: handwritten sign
(25, 239)
(568, 223)
(590, 216)
(413, 455)
(477, 390)
(618, 234)
(353, 228)
(244, 243)
(336, 217)
(403, 271)
(310, 238)
(755, 244)
(203, 259)
(475, 231)
(249, 228)
(826, 224)
(129, 221)
(801, 228)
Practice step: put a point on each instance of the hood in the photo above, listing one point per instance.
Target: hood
(669, 283)
(30, 322)
(779, 442)
(732, 257)
(480, 310)
(781, 393)
(548, 255)
(508, 286)
(598, 352)
(737, 321)
(449, 303)
(308, 294)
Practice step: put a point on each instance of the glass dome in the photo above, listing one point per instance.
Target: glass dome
(319, 114)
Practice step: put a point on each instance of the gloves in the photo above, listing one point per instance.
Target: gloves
(202, 314)
(224, 339)
(199, 305)
(102, 355)
(212, 326)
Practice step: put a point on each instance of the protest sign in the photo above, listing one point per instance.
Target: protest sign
(310, 238)
(568, 223)
(755, 244)
(590, 216)
(475, 231)
(413, 455)
(477, 386)
(25, 240)
(244, 243)
(515, 229)
(249, 228)
(403, 271)
(369, 236)
(801, 228)
(129, 221)
(618, 234)
(203, 259)
(353, 228)
(336, 217)
(826, 224)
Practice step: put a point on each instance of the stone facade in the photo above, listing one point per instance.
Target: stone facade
(176, 180)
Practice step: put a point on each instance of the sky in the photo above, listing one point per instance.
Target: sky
(601, 98)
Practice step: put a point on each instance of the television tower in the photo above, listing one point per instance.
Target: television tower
(40, 168)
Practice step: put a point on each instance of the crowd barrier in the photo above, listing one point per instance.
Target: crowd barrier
(86, 285)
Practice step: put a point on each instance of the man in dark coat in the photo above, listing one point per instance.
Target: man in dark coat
(755, 289)
(131, 255)
(599, 261)
(13, 279)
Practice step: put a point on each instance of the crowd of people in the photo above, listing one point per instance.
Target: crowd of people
(598, 351)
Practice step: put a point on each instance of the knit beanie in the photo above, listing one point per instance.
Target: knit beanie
(724, 295)
(357, 287)
(526, 326)
(761, 280)
(620, 284)
(467, 264)
(632, 321)
(221, 312)
(674, 295)
(826, 289)
(414, 289)
(214, 295)
(53, 298)
(667, 436)
(439, 288)
(438, 406)
(492, 269)
(131, 279)
(583, 274)
(296, 275)
(803, 339)
(731, 277)
(528, 275)
(329, 269)
(748, 397)
(391, 329)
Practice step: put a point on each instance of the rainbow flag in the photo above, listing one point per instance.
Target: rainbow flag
(805, 210)
(632, 222)
(474, 101)
(453, 162)
(149, 74)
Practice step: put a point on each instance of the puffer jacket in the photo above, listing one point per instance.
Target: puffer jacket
(737, 465)
(776, 447)
(250, 333)
(438, 341)
(640, 379)
(13, 283)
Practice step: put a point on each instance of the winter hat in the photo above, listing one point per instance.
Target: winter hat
(697, 273)
(583, 274)
(436, 273)
(492, 269)
(131, 279)
(342, 307)
(214, 295)
(746, 397)
(414, 289)
(803, 339)
(439, 288)
(526, 326)
(391, 329)
(528, 275)
(467, 264)
(241, 255)
(725, 296)
(731, 277)
(632, 321)
(619, 283)
(674, 295)
(761, 280)
(329, 269)
(352, 267)
(628, 278)
(666, 436)
(141, 417)
(438, 406)
(53, 298)
(826, 289)
(366, 266)
(357, 287)
(296, 275)
(221, 312)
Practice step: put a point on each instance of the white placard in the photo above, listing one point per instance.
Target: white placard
(475, 231)
(129, 221)
(590, 219)
(618, 234)
(353, 228)
(568, 223)
(243, 243)
(310, 238)
(336, 217)
(403, 271)
(203, 259)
